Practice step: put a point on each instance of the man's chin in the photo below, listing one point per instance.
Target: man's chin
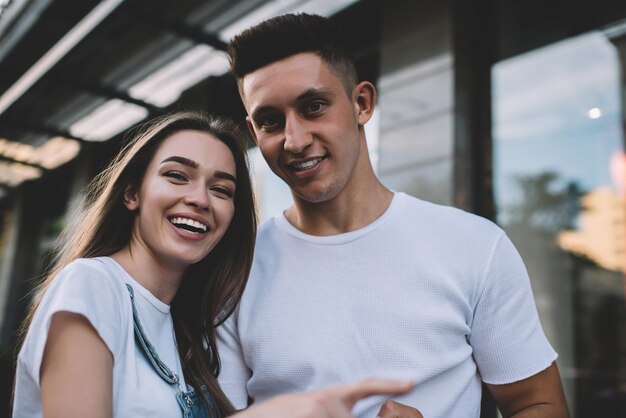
(311, 195)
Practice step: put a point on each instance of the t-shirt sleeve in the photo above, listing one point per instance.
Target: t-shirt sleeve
(81, 288)
(506, 335)
(234, 373)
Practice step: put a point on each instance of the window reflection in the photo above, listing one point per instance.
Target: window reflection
(559, 189)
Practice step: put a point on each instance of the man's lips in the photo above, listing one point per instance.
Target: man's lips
(305, 164)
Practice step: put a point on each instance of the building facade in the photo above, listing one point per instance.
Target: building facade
(511, 110)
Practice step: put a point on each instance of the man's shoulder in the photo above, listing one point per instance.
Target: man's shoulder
(267, 227)
(440, 216)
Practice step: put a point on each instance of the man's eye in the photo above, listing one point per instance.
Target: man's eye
(269, 122)
(316, 106)
(177, 175)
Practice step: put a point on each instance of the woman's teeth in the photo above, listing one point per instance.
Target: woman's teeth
(186, 223)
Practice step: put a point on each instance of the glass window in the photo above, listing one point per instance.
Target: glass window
(560, 193)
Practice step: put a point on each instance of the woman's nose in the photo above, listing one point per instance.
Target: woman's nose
(199, 197)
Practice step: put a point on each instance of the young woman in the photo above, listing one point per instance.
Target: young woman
(124, 323)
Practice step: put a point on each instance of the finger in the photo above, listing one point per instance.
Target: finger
(351, 393)
(392, 409)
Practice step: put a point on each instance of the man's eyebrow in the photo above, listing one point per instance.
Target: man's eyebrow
(309, 94)
(314, 93)
(181, 160)
(261, 111)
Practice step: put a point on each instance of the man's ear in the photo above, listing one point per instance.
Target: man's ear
(131, 199)
(365, 101)
(251, 129)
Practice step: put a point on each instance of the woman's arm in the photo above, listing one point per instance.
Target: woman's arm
(76, 372)
(332, 402)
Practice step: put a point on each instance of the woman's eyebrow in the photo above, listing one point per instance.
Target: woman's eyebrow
(226, 176)
(181, 160)
(191, 163)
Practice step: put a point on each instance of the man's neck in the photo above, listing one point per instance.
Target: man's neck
(349, 211)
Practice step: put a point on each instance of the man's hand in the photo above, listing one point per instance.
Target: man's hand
(332, 402)
(392, 409)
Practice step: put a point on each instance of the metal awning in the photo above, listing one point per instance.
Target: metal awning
(75, 71)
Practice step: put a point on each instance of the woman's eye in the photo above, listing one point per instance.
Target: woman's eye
(225, 191)
(176, 175)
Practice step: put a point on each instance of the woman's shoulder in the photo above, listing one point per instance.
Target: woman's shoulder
(99, 274)
(96, 266)
(92, 287)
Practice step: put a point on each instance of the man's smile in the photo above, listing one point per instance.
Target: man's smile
(305, 165)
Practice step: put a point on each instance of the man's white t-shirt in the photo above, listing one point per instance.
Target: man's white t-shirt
(96, 289)
(427, 293)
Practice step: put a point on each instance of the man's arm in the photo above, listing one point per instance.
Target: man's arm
(538, 396)
(234, 373)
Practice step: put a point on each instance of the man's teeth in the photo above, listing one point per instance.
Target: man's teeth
(189, 222)
(307, 164)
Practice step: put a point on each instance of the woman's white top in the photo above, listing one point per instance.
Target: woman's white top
(96, 289)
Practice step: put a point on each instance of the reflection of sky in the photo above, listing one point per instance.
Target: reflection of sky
(540, 104)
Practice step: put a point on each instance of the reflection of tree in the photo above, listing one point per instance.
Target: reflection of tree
(545, 205)
(573, 294)
(601, 232)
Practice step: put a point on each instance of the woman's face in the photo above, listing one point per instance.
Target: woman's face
(186, 200)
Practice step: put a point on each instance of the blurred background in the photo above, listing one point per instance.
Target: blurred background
(513, 110)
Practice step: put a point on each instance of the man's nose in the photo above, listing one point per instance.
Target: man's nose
(297, 136)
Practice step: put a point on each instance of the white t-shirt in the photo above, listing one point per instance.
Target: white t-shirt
(427, 293)
(95, 288)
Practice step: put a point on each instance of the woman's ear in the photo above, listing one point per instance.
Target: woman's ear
(365, 101)
(131, 200)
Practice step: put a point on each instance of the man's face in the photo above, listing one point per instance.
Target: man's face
(307, 126)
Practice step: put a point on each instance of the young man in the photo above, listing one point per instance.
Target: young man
(355, 280)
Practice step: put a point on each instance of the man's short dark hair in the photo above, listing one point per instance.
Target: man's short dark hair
(283, 36)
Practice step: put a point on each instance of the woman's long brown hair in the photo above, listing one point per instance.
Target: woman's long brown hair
(211, 288)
